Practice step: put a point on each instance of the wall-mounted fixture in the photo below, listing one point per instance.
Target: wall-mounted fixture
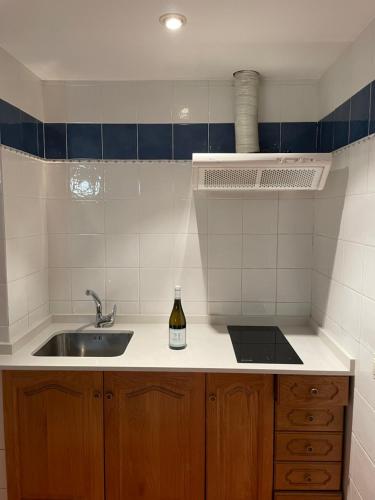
(173, 21)
(247, 169)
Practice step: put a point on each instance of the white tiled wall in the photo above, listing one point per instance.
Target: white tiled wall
(132, 230)
(174, 101)
(24, 191)
(343, 292)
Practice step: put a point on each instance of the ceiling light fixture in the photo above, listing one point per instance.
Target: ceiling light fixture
(173, 21)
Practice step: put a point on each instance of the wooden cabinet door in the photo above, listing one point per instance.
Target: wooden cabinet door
(154, 436)
(53, 431)
(239, 446)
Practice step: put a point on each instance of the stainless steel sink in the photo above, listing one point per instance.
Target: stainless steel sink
(85, 344)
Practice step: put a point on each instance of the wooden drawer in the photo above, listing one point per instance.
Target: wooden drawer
(307, 476)
(309, 419)
(293, 495)
(308, 446)
(313, 391)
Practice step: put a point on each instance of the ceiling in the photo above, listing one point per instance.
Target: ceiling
(123, 40)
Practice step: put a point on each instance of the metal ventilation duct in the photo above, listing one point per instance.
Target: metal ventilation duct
(246, 84)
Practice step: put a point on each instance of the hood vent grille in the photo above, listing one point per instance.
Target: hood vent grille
(256, 171)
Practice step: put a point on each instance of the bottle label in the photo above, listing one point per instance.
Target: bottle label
(177, 337)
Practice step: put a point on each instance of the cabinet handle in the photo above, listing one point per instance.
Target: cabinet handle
(109, 395)
(212, 397)
(310, 418)
(314, 391)
(97, 394)
(309, 448)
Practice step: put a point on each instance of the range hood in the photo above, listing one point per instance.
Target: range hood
(247, 169)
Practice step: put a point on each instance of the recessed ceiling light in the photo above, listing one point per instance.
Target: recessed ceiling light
(173, 21)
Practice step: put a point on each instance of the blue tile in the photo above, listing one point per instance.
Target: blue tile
(41, 139)
(318, 135)
(326, 134)
(155, 142)
(298, 137)
(341, 125)
(119, 141)
(84, 140)
(372, 112)
(222, 138)
(11, 125)
(29, 133)
(269, 137)
(360, 114)
(189, 138)
(55, 140)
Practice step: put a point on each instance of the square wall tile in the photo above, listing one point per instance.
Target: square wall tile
(83, 279)
(55, 141)
(296, 216)
(119, 141)
(121, 181)
(259, 285)
(260, 216)
(224, 285)
(10, 125)
(259, 251)
(221, 138)
(359, 114)
(156, 284)
(293, 285)
(190, 102)
(122, 250)
(295, 251)
(225, 216)
(341, 125)
(122, 284)
(298, 137)
(225, 251)
(189, 139)
(84, 140)
(269, 137)
(40, 132)
(221, 101)
(155, 142)
(326, 134)
(29, 133)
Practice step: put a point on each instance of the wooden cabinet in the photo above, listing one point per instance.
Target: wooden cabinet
(154, 425)
(239, 436)
(172, 436)
(308, 454)
(54, 435)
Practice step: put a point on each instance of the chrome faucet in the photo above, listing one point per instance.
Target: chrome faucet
(106, 320)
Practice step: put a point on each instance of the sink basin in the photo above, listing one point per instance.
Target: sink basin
(86, 344)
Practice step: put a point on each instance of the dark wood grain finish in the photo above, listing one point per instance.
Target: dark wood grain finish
(239, 446)
(313, 391)
(308, 446)
(54, 435)
(307, 476)
(309, 419)
(289, 495)
(154, 438)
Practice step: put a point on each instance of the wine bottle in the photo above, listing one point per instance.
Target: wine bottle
(177, 323)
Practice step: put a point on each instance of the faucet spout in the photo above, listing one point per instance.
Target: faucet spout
(102, 320)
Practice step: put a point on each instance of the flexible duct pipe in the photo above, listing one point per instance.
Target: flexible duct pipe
(246, 83)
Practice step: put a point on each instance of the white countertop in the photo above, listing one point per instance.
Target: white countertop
(209, 349)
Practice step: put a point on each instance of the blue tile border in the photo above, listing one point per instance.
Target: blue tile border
(349, 122)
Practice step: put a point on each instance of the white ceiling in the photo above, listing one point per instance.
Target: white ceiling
(123, 40)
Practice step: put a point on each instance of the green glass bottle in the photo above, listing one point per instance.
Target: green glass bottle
(177, 323)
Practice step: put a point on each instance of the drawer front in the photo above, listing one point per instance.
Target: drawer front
(289, 495)
(309, 419)
(307, 476)
(311, 391)
(308, 446)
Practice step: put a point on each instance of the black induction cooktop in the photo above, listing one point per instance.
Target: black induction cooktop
(262, 344)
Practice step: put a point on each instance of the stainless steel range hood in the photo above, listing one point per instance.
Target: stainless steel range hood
(247, 169)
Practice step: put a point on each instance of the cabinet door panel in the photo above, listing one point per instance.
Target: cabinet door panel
(239, 436)
(154, 436)
(54, 429)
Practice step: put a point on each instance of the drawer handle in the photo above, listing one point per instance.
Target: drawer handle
(314, 391)
(309, 448)
(307, 478)
(109, 395)
(97, 394)
(310, 418)
(212, 397)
